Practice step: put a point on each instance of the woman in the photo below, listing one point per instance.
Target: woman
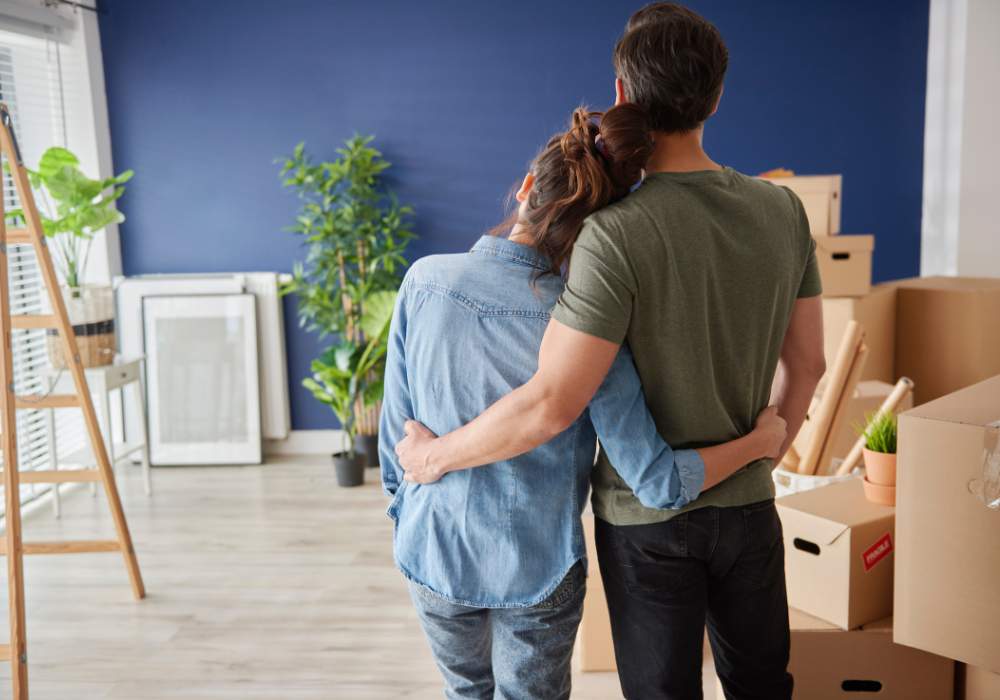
(495, 555)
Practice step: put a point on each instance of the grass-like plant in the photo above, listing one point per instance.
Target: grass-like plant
(880, 433)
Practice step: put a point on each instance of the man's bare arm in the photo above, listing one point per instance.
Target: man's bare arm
(801, 366)
(571, 367)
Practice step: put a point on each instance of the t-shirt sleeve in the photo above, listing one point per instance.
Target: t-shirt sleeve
(811, 284)
(600, 287)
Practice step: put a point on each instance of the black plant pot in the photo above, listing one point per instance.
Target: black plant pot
(350, 468)
(367, 446)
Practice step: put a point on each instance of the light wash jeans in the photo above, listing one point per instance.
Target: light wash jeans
(504, 653)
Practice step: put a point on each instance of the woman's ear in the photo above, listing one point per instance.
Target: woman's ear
(526, 185)
(619, 92)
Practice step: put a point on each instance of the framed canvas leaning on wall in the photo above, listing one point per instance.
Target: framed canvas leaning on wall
(202, 379)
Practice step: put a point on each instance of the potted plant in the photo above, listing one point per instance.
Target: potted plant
(341, 379)
(75, 207)
(355, 233)
(880, 458)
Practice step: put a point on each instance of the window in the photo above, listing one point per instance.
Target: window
(41, 84)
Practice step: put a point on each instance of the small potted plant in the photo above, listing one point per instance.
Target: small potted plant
(74, 208)
(340, 380)
(880, 458)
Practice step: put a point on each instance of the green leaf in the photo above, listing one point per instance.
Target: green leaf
(378, 313)
(54, 160)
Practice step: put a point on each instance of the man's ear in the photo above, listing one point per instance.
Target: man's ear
(526, 185)
(718, 100)
(619, 92)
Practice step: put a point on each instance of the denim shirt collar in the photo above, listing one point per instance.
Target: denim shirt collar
(515, 252)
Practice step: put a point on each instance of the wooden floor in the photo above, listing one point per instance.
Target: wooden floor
(264, 583)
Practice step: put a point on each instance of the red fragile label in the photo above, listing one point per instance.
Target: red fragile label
(877, 552)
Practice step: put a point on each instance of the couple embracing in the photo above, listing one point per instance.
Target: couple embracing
(644, 297)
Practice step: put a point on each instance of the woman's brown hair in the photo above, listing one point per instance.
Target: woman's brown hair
(592, 164)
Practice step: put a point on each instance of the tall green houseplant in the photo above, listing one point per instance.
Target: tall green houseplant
(355, 233)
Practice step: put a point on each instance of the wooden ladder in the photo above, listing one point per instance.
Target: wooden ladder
(12, 545)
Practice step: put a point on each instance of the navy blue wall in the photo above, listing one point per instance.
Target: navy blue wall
(204, 95)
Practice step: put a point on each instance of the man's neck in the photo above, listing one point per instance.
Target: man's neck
(679, 153)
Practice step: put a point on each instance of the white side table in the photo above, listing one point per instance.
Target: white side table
(101, 382)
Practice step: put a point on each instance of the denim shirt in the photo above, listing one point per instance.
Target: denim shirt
(466, 331)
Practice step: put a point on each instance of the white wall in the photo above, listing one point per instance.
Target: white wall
(961, 226)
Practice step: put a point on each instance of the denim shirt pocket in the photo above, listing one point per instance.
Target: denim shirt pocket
(397, 501)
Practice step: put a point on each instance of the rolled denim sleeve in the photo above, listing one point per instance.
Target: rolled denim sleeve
(660, 477)
(397, 407)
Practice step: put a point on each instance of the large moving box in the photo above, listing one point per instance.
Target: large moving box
(867, 399)
(947, 333)
(829, 663)
(976, 684)
(876, 312)
(948, 558)
(820, 197)
(838, 554)
(845, 264)
(594, 648)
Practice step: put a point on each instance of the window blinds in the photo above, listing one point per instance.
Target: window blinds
(42, 83)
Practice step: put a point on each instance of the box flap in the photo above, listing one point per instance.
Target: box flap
(850, 242)
(883, 625)
(978, 405)
(958, 284)
(809, 527)
(798, 620)
(808, 183)
(842, 503)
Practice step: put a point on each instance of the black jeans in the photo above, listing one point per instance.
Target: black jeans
(664, 582)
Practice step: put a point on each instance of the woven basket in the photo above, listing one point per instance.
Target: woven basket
(91, 311)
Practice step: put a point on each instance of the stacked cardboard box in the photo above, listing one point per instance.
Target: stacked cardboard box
(829, 663)
(947, 591)
(839, 559)
(845, 262)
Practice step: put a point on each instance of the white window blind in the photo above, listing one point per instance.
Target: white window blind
(41, 81)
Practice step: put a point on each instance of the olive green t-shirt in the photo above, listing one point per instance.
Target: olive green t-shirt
(698, 272)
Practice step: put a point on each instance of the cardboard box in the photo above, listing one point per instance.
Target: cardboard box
(831, 664)
(948, 559)
(867, 399)
(595, 650)
(977, 684)
(845, 264)
(876, 312)
(820, 196)
(947, 333)
(838, 554)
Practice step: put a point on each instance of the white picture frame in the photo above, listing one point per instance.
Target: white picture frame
(203, 391)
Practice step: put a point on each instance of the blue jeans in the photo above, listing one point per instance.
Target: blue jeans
(521, 653)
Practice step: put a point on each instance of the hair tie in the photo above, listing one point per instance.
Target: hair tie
(601, 147)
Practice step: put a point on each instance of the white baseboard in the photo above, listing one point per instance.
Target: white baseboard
(306, 442)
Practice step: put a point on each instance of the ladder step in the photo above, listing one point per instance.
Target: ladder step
(51, 401)
(64, 476)
(19, 236)
(34, 321)
(66, 547)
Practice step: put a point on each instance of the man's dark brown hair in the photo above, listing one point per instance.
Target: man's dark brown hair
(672, 62)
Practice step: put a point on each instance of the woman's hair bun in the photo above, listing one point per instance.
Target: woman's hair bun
(626, 143)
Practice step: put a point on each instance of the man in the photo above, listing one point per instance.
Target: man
(711, 278)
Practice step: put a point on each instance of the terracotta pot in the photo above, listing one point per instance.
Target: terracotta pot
(880, 468)
(877, 493)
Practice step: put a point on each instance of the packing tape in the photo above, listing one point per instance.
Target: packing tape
(988, 488)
